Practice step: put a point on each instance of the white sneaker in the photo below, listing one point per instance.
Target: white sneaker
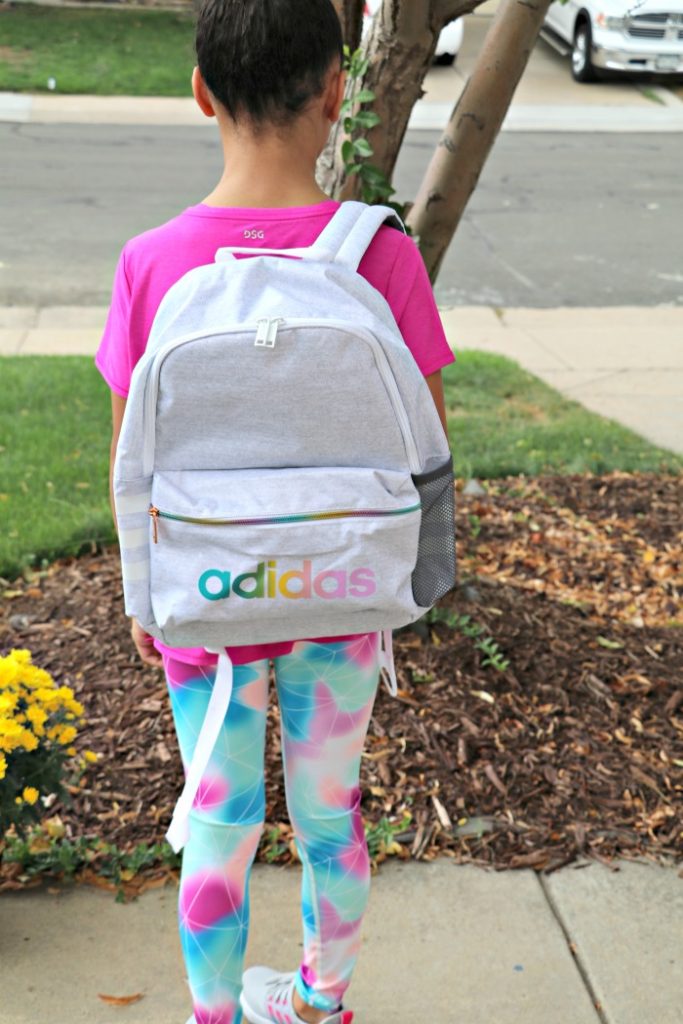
(266, 998)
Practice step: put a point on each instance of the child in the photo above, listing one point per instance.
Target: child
(270, 72)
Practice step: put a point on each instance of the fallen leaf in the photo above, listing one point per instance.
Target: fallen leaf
(121, 1000)
(611, 645)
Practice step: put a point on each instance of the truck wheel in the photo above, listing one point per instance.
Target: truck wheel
(582, 65)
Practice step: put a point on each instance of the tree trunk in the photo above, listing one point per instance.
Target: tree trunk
(351, 17)
(400, 46)
(474, 124)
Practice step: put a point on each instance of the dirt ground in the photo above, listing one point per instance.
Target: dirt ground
(574, 749)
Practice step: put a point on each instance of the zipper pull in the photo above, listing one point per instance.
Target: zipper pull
(266, 331)
(262, 329)
(154, 513)
(272, 331)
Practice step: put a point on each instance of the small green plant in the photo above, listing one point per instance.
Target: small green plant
(475, 525)
(45, 850)
(381, 838)
(273, 845)
(422, 677)
(463, 624)
(493, 655)
(356, 151)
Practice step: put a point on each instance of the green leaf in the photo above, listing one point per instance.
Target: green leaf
(362, 147)
(365, 96)
(374, 174)
(348, 152)
(367, 119)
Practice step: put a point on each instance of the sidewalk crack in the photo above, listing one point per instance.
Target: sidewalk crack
(601, 1016)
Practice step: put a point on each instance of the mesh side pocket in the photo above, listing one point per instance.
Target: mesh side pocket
(434, 573)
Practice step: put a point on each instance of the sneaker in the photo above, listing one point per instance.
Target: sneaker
(266, 998)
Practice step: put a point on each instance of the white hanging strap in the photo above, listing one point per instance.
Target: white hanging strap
(179, 829)
(387, 668)
(356, 242)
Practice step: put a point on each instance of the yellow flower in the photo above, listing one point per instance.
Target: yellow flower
(49, 698)
(3, 766)
(90, 755)
(37, 678)
(28, 741)
(30, 794)
(8, 672)
(9, 728)
(8, 702)
(18, 800)
(22, 657)
(69, 733)
(71, 751)
(36, 716)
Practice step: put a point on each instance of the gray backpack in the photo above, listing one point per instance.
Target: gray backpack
(282, 471)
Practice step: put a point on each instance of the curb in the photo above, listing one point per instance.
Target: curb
(39, 108)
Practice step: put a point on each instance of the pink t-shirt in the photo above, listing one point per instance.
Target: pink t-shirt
(152, 262)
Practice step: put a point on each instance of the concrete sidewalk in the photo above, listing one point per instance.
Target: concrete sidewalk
(442, 943)
(546, 99)
(636, 114)
(624, 362)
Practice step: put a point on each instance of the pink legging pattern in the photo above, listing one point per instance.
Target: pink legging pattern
(326, 694)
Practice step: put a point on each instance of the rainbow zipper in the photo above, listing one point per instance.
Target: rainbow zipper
(298, 517)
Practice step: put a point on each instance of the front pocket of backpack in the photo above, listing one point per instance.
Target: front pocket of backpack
(310, 547)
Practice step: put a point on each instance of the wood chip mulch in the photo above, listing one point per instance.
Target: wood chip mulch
(574, 751)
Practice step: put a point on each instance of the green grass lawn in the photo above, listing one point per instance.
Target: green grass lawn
(503, 420)
(54, 455)
(55, 425)
(114, 53)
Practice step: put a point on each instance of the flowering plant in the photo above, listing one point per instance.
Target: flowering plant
(37, 731)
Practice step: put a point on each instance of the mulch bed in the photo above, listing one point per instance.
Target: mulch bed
(574, 751)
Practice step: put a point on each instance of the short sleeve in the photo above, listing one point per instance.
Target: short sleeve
(114, 357)
(411, 297)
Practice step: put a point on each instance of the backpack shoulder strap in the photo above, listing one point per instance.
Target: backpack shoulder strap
(347, 236)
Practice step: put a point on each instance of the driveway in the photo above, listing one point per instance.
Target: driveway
(547, 79)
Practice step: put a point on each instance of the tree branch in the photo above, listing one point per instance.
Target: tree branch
(474, 124)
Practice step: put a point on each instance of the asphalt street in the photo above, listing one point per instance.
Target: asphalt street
(557, 219)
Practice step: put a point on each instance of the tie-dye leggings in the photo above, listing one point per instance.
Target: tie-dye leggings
(326, 694)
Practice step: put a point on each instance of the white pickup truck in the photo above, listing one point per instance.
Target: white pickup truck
(614, 35)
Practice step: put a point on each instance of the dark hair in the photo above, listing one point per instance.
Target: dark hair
(266, 59)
